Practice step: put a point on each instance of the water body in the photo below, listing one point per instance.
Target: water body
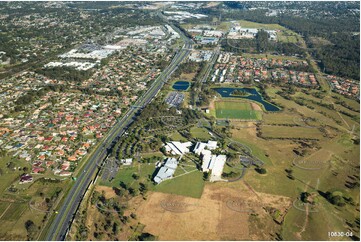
(254, 96)
(181, 85)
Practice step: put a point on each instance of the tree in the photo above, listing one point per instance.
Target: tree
(135, 176)
(2, 153)
(335, 199)
(262, 41)
(163, 150)
(261, 170)
(132, 191)
(304, 197)
(143, 188)
(11, 165)
(205, 176)
(123, 185)
(146, 237)
(31, 229)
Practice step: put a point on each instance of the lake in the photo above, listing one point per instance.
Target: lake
(181, 85)
(254, 96)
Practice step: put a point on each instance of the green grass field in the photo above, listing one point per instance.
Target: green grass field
(249, 24)
(9, 176)
(200, 133)
(281, 118)
(3, 207)
(15, 211)
(236, 110)
(177, 137)
(125, 175)
(190, 185)
(290, 132)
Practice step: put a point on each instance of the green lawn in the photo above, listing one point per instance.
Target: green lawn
(288, 36)
(9, 176)
(290, 132)
(200, 133)
(249, 24)
(15, 211)
(125, 175)
(236, 110)
(3, 206)
(176, 136)
(190, 185)
(281, 118)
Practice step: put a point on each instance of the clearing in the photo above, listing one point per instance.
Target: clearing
(222, 213)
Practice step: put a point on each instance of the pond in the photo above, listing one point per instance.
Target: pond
(254, 95)
(181, 85)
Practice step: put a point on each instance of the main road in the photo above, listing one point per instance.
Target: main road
(61, 223)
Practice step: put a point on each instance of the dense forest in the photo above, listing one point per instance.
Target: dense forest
(65, 74)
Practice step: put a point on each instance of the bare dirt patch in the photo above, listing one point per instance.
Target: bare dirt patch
(222, 213)
(256, 106)
(108, 191)
(212, 105)
(188, 76)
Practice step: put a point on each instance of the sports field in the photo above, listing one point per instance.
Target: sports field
(236, 110)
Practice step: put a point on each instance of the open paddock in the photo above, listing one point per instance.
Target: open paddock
(270, 131)
(222, 213)
(280, 118)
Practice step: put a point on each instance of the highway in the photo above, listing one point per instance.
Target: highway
(61, 224)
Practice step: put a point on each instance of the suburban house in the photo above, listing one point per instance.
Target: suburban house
(26, 178)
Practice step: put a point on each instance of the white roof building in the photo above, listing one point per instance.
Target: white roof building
(213, 163)
(127, 162)
(213, 33)
(200, 146)
(218, 165)
(178, 148)
(208, 162)
(166, 172)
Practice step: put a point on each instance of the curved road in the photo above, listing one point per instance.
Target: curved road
(60, 225)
